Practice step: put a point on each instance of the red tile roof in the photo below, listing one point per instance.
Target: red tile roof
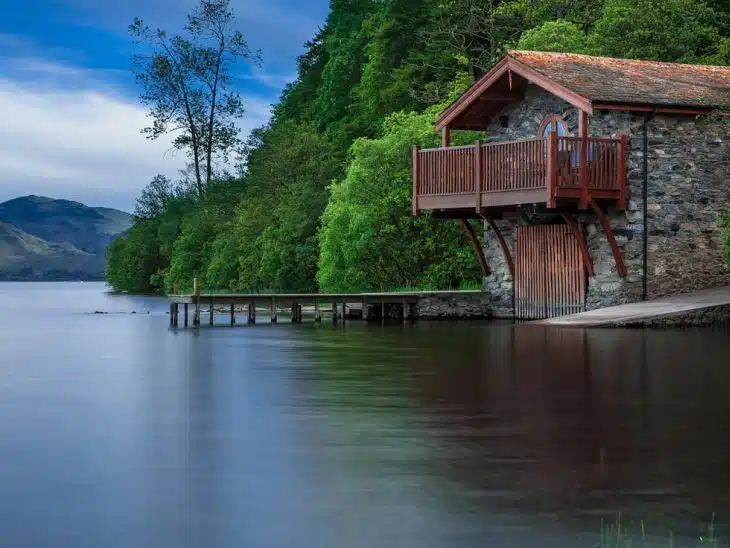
(609, 80)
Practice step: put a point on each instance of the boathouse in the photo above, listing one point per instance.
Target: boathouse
(599, 181)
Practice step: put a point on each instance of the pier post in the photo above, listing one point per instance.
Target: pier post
(196, 290)
(233, 314)
(382, 312)
(406, 311)
(210, 319)
(334, 313)
(172, 312)
(185, 315)
(253, 311)
(273, 310)
(317, 314)
(299, 313)
(294, 312)
(365, 309)
(344, 313)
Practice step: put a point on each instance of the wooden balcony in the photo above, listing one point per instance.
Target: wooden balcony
(552, 172)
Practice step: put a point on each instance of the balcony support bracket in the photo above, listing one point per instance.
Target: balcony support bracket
(580, 238)
(476, 244)
(502, 243)
(620, 266)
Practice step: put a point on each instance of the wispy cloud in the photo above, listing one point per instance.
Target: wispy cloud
(270, 79)
(83, 143)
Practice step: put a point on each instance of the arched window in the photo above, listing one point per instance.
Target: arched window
(553, 122)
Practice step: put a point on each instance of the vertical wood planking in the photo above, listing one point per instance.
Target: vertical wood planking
(549, 272)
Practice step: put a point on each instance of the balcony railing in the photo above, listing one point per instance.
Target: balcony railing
(519, 172)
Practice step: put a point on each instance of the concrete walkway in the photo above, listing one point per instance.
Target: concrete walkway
(643, 311)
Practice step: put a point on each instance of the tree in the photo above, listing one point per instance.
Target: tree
(561, 36)
(369, 240)
(661, 30)
(154, 198)
(187, 83)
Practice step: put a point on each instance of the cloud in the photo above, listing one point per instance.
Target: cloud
(84, 143)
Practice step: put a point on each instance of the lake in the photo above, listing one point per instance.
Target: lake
(117, 431)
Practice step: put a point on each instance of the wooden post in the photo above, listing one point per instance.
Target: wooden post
(299, 313)
(273, 310)
(233, 314)
(552, 168)
(406, 311)
(253, 311)
(478, 173)
(623, 191)
(176, 314)
(334, 312)
(196, 290)
(583, 167)
(344, 312)
(172, 312)
(317, 314)
(382, 312)
(416, 178)
(294, 311)
(446, 136)
(210, 319)
(365, 309)
(185, 315)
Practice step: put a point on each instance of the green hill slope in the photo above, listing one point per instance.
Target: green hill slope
(46, 239)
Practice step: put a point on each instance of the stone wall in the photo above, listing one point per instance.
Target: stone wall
(688, 188)
(454, 306)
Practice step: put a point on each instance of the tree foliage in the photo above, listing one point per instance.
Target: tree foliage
(322, 200)
(369, 239)
(562, 36)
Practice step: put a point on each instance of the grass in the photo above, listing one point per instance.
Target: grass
(617, 535)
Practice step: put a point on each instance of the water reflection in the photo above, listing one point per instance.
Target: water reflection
(562, 426)
(120, 432)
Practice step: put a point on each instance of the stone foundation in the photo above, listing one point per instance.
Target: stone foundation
(712, 316)
(455, 306)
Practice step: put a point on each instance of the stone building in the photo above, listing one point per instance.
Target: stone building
(599, 181)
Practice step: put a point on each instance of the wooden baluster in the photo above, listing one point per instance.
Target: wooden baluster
(416, 175)
(477, 156)
(552, 168)
(623, 191)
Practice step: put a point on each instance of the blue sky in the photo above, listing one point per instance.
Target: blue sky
(70, 118)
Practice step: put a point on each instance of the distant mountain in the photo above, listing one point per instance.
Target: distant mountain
(46, 239)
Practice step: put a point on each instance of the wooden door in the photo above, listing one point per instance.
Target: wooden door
(549, 273)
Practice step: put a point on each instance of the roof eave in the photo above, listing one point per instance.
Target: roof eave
(667, 109)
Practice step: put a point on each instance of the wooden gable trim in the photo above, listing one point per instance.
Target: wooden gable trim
(484, 83)
(507, 63)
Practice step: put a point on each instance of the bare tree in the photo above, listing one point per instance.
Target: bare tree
(186, 81)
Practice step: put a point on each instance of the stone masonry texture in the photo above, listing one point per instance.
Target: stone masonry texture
(688, 188)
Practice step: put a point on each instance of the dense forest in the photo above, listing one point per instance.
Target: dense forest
(321, 198)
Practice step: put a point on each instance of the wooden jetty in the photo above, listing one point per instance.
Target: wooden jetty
(293, 303)
(646, 311)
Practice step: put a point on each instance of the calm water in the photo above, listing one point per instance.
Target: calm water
(118, 432)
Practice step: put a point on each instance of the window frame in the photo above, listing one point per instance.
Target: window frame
(551, 119)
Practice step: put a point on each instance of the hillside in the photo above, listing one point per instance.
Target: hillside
(47, 239)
